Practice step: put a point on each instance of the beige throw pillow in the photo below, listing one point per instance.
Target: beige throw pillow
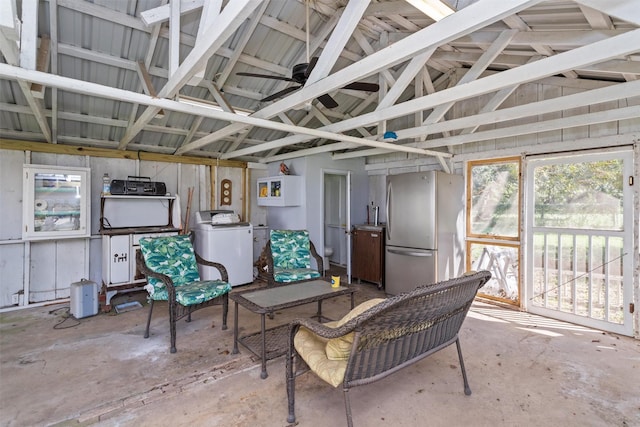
(339, 348)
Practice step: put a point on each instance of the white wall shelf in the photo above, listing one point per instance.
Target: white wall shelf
(135, 212)
(56, 202)
(284, 190)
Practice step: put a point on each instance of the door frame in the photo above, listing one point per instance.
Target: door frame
(516, 242)
(627, 155)
(347, 202)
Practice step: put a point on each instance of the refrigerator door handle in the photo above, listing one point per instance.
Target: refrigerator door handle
(410, 252)
(387, 211)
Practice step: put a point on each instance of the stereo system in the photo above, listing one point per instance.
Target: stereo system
(138, 186)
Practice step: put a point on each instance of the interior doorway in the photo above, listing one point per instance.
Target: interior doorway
(336, 219)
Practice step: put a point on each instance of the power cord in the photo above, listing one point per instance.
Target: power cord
(66, 316)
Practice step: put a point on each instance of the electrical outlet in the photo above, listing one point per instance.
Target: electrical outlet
(15, 299)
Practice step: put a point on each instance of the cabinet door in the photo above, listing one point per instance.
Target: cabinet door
(119, 259)
(367, 257)
(362, 254)
(373, 254)
(55, 202)
(376, 256)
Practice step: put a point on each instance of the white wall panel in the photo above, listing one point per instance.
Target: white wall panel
(95, 261)
(70, 265)
(603, 129)
(11, 162)
(576, 132)
(525, 94)
(258, 214)
(162, 172)
(549, 92)
(626, 126)
(58, 160)
(11, 271)
(42, 270)
(189, 176)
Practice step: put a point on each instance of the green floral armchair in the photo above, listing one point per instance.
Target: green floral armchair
(170, 265)
(289, 255)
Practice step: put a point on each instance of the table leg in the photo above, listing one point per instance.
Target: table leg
(235, 330)
(319, 314)
(263, 374)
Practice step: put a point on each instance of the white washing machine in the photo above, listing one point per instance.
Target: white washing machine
(219, 237)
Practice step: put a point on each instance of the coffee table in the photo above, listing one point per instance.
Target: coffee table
(271, 343)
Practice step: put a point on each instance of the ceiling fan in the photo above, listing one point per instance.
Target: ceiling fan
(300, 73)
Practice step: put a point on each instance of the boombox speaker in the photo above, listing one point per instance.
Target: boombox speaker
(138, 186)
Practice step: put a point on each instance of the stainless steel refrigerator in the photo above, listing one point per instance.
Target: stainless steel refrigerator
(425, 226)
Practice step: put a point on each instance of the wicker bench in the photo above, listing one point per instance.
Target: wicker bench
(378, 338)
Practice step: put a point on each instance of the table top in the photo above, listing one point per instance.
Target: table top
(284, 296)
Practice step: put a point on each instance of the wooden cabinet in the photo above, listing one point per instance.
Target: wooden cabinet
(368, 254)
(284, 190)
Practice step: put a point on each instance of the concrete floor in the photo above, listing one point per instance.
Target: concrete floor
(524, 370)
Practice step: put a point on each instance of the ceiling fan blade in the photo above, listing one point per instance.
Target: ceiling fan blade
(327, 101)
(311, 66)
(265, 76)
(281, 93)
(367, 87)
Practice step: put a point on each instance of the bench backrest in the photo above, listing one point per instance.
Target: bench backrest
(410, 326)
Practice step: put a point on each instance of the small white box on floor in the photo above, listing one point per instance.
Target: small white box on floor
(83, 299)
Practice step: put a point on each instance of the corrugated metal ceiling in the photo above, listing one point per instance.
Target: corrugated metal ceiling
(104, 41)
